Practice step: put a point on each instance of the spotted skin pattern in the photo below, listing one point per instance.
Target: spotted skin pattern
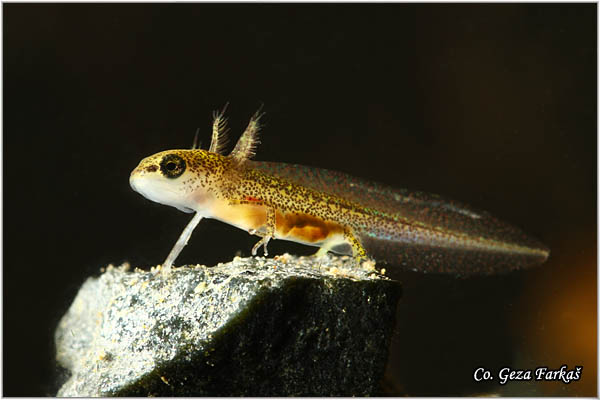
(410, 230)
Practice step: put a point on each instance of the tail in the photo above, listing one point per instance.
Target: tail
(502, 248)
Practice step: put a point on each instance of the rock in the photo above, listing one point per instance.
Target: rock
(286, 326)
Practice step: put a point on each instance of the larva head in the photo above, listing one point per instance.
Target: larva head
(178, 178)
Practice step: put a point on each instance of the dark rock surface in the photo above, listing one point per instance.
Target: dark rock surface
(252, 327)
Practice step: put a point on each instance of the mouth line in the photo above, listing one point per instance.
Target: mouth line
(153, 190)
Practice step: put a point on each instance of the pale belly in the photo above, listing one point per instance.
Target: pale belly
(296, 227)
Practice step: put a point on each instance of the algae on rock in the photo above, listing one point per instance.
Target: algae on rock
(285, 326)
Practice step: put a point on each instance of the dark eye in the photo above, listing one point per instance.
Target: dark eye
(172, 166)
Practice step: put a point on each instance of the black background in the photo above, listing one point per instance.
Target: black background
(492, 105)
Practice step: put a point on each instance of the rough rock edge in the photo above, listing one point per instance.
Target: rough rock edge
(326, 269)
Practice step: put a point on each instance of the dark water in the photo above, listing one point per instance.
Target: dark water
(491, 105)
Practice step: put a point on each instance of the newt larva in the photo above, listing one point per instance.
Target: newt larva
(334, 211)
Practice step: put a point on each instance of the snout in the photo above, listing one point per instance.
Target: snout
(134, 177)
(132, 180)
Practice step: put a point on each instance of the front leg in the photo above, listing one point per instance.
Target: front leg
(324, 249)
(269, 226)
(181, 242)
(270, 232)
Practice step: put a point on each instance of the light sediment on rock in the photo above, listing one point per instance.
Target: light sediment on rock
(251, 327)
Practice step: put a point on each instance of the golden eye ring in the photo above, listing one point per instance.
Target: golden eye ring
(172, 166)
